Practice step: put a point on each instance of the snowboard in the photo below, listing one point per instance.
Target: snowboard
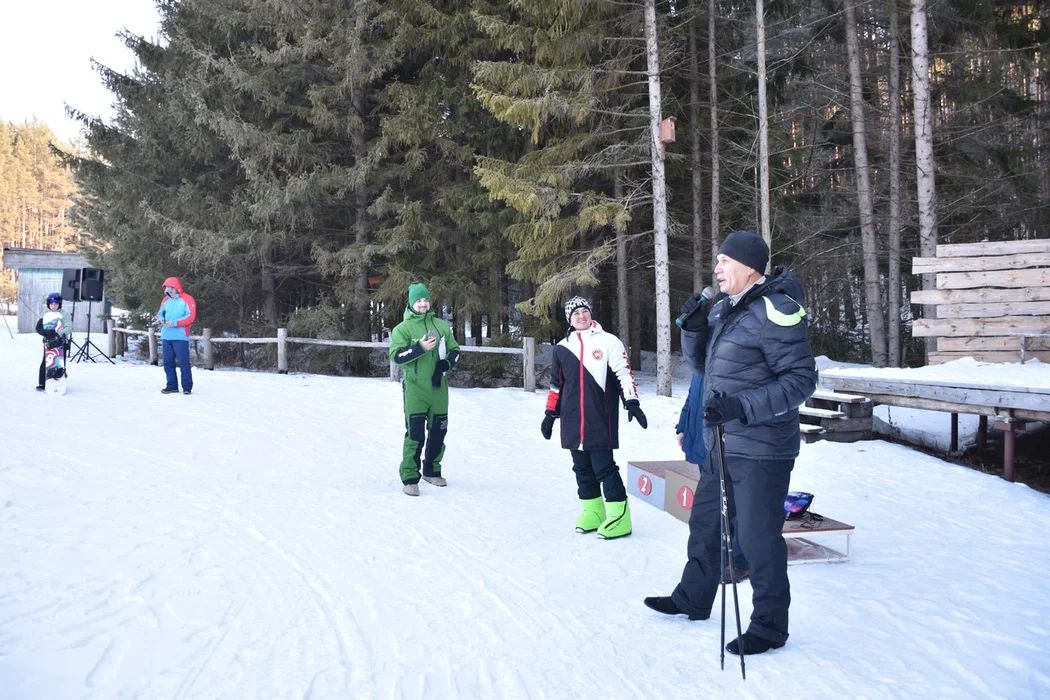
(54, 355)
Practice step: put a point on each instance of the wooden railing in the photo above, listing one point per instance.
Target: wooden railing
(118, 345)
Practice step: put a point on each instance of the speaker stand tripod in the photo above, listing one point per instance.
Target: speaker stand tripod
(89, 351)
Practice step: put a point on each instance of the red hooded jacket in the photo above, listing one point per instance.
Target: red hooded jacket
(191, 303)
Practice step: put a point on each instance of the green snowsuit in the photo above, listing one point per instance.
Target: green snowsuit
(425, 390)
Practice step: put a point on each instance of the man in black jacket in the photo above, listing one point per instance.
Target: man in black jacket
(759, 369)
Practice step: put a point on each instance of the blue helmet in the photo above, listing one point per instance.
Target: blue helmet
(54, 298)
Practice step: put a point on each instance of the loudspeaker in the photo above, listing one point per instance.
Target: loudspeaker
(91, 284)
(71, 284)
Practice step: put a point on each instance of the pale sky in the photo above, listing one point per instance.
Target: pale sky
(46, 47)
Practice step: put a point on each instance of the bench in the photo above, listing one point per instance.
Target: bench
(843, 417)
(669, 486)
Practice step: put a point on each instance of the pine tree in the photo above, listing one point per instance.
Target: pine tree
(573, 84)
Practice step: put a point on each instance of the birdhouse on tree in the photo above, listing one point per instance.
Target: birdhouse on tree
(666, 133)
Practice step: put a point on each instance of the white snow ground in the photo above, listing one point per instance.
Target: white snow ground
(252, 540)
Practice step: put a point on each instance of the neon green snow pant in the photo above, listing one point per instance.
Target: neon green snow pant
(426, 422)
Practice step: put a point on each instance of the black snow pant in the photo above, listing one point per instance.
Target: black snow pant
(596, 471)
(756, 490)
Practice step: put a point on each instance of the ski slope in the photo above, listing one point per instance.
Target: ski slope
(252, 541)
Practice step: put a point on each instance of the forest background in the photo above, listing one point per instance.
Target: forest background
(299, 162)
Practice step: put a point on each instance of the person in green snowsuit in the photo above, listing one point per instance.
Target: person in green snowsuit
(425, 348)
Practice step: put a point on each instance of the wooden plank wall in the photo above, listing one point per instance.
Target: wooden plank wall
(991, 298)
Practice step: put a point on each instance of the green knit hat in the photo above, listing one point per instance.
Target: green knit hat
(416, 292)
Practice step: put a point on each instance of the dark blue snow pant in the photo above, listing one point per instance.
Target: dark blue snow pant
(756, 490)
(177, 351)
(596, 471)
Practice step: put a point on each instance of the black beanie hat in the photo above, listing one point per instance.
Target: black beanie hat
(576, 303)
(746, 247)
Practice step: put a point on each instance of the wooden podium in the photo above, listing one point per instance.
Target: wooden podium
(669, 485)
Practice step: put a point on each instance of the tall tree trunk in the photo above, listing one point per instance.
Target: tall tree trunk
(638, 293)
(663, 308)
(893, 340)
(623, 326)
(697, 166)
(716, 173)
(923, 120)
(269, 292)
(763, 127)
(872, 288)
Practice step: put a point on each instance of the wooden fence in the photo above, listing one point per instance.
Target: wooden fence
(992, 299)
(118, 345)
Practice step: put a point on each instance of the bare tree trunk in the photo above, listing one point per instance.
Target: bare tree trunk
(269, 290)
(923, 119)
(893, 349)
(623, 326)
(663, 309)
(763, 127)
(635, 310)
(872, 289)
(698, 176)
(716, 174)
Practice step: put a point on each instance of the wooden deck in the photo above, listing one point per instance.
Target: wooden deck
(981, 392)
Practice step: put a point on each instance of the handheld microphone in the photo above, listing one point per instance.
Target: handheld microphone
(706, 295)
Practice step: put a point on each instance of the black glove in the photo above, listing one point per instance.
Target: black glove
(439, 369)
(547, 426)
(634, 412)
(694, 313)
(722, 409)
(53, 341)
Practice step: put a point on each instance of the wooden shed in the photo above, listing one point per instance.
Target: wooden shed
(39, 274)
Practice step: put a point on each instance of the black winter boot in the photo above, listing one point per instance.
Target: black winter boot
(751, 644)
(665, 605)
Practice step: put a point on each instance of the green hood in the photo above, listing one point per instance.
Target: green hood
(410, 314)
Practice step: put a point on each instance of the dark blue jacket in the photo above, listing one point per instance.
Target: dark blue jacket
(691, 422)
(758, 352)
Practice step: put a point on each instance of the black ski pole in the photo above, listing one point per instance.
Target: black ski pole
(727, 554)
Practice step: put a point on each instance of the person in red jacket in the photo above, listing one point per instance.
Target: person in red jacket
(589, 373)
(177, 311)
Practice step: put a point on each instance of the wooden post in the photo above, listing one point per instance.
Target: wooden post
(954, 445)
(528, 344)
(282, 351)
(152, 336)
(209, 349)
(112, 333)
(982, 432)
(1009, 450)
(395, 372)
(1009, 427)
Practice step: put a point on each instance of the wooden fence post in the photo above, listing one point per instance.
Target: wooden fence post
(152, 335)
(528, 344)
(395, 372)
(112, 333)
(282, 351)
(209, 349)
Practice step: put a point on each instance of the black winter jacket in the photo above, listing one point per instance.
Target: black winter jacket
(758, 352)
(589, 374)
